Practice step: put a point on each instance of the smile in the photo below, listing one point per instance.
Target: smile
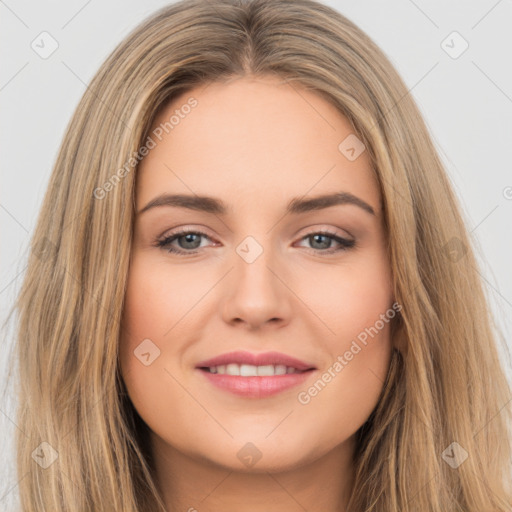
(255, 375)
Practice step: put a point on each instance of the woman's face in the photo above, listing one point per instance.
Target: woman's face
(250, 158)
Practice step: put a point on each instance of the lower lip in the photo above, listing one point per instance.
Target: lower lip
(256, 387)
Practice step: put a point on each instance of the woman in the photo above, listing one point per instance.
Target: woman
(326, 345)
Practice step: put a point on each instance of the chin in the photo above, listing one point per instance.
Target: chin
(258, 454)
(270, 461)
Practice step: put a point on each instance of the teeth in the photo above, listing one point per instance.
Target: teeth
(233, 369)
(249, 370)
(266, 370)
(280, 369)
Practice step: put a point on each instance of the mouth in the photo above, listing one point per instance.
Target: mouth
(249, 370)
(255, 375)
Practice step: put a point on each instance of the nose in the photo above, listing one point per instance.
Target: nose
(256, 293)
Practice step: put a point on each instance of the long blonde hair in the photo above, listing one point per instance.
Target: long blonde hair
(445, 385)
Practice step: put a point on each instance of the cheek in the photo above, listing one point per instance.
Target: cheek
(151, 309)
(163, 302)
(355, 307)
(157, 297)
(155, 309)
(362, 324)
(349, 297)
(349, 384)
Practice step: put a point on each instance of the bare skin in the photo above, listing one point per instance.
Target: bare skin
(256, 143)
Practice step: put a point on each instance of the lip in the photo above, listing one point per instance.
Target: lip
(262, 359)
(259, 386)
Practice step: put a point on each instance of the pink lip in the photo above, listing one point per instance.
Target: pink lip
(262, 359)
(260, 386)
(256, 387)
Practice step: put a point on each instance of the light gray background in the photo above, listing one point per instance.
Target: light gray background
(466, 101)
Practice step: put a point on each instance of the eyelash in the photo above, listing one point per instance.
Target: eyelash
(166, 242)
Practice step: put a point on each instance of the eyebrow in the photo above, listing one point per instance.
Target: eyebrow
(295, 206)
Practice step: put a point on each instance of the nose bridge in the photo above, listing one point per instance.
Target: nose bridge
(256, 293)
(254, 259)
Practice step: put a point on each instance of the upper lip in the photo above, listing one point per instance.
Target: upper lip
(261, 359)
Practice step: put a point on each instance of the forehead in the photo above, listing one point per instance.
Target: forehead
(250, 140)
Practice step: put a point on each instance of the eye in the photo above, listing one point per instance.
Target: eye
(189, 242)
(324, 239)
